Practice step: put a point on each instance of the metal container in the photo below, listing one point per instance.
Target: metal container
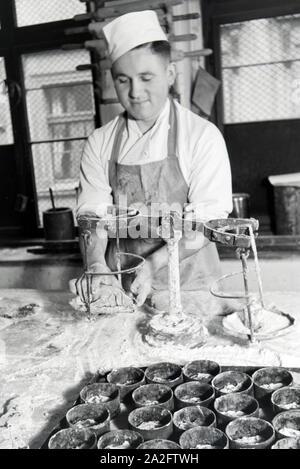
(153, 394)
(152, 422)
(120, 439)
(232, 406)
(94, 417)
(285, 399)
(287, 424)
(287, 443)
(232, 381)
(194, 393)
(240, 205)
(203, 438)
(201, 370)
(268, 380)
(102, 394)
(127, 379)
(250, 433)
(58, 224)
(193, 416)
(164, 373)
(73, 438)
(159, 444)
(287, 210)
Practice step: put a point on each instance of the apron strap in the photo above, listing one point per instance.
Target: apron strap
(115, 151)
(173, 131)
(118, 138)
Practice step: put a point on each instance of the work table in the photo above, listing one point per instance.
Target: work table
(27, 265)
(48, 354)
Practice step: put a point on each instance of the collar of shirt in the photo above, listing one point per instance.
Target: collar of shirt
(147, 146)
(134, 130)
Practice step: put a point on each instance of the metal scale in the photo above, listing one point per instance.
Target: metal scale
(240, 233)
(233, 232)
(117, 224)
(90, 226)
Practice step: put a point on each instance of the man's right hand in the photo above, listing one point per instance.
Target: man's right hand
(105, 289)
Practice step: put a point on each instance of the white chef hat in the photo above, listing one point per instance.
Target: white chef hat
(131, 30)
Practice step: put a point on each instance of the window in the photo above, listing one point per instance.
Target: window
(61, 115)
(52, 109)
(261, 69)
(31, 12)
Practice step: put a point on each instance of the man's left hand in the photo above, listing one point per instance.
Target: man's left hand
(141, 286)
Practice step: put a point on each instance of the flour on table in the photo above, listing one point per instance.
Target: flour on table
(60, 351)
(99, 307)
(179, 329)
(17, 309)
(154, 347)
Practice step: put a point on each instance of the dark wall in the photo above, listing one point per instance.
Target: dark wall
(8, 187)
(258, 150)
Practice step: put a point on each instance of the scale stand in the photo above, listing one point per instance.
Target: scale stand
(116, 224)
(239, 233)
(171, 231)
(171, 326)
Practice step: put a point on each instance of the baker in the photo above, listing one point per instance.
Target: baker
(155, 153)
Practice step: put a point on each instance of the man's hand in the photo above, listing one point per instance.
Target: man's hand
(105, 289)
(141, 286)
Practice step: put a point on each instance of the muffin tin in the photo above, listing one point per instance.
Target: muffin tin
(130, 425)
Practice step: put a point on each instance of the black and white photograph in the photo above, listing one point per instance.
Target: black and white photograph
(150, 227)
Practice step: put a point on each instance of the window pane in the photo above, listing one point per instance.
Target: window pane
(44, 11)
(6, 134)
(261, 69)
(60, 110)
(56, 165)
(59, 99)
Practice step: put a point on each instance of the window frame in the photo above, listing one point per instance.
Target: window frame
(14, 42)
(218, 12)
(251, 176)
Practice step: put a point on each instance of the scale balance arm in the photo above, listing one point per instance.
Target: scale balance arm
(188, 244)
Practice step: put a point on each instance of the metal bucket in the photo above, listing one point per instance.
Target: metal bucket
(287, 210)
(58, 224)
(240, 203)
